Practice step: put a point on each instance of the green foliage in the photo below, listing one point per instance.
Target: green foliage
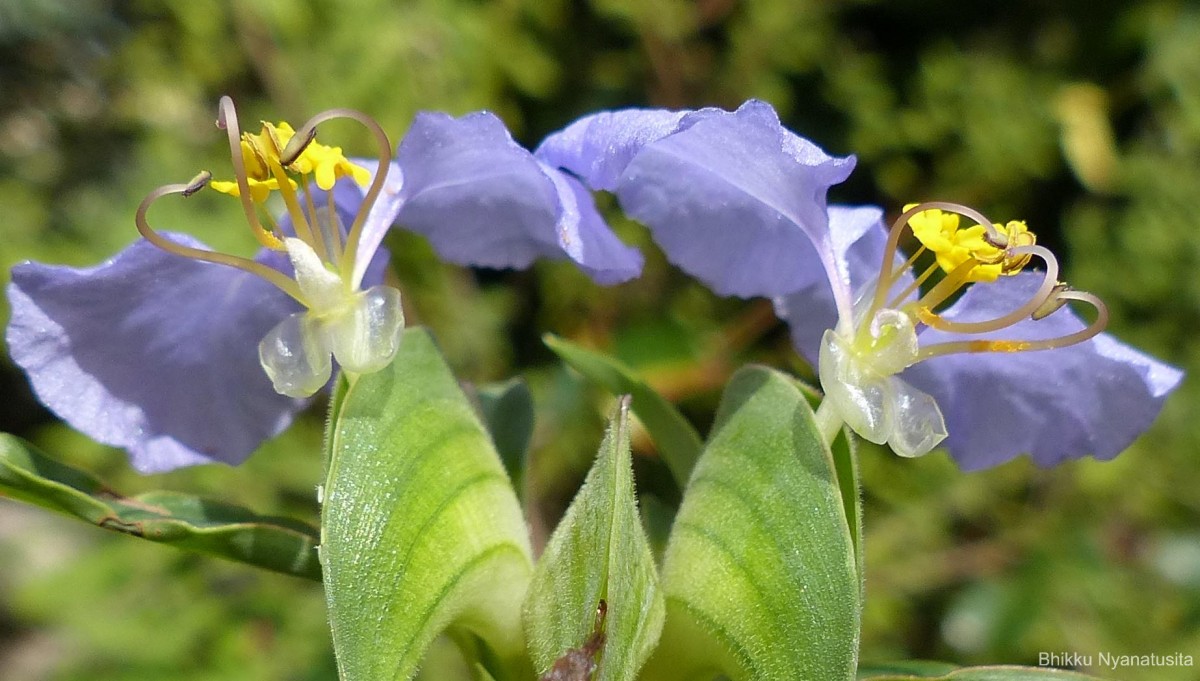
(676, 438)
(760, 575)
(420, 527)
(598, 553)
(181, 520)
(507, 410)
(938, 99)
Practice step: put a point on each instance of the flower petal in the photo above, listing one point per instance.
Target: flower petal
(599, 147)
(348, 196)
(483, 200)
(370, 262)
(152, 352)
(1093, 398)
(858, 238)
(736, 200)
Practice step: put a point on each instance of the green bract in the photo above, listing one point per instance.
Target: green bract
(421, 530)
(760, 574)
(598, 553)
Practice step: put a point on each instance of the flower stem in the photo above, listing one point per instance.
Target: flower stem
(829, 423)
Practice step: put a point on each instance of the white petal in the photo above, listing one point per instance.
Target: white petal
(323, 290)
(295, 355)
(859, 397)
(366, 337)
(916, 424)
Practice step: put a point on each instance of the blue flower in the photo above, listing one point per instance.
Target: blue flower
(733, 198)
(1006, 369)
(183, 355)
(739, 202)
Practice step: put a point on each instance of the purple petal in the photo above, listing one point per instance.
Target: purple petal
(370, 263)
(858, 237)
(598, 148)
(1093, 398)
(483, 200)
(348, 195)
(736, 200)
(152, 352)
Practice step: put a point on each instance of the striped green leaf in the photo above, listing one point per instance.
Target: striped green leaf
(760, 573)
(421, 529)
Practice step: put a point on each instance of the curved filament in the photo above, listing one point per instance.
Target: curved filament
(935, 297)
(275, 277)
(227, 120)
(1059, 297)
(886, 273)
(300, 140)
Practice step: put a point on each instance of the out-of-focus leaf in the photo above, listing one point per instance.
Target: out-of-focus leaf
(760, 574)
(598, 553)
(677, 440)
(421, 528)
(181, 520)
(508, 414)
(916, 670)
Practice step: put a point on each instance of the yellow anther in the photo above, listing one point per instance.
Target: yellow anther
(259, 189)
(940, 232)
(325, 163)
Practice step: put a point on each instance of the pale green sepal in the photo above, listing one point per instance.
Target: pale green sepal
(598, 552)
(421, 528)
(180, 520)
(760, 573)
(676, 439)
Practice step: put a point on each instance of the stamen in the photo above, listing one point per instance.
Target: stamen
(335, 228)
(992, 236)
(275, 277)
(299, 222)
(893, 244)
(927, 316)
(1058, 298)
(296, 146)
(385, 159)
(324, 247)
(227, 121)
(916, 284)
(1053, 303)
(200, 181)
(947, 287)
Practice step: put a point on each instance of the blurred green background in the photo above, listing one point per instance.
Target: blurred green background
(1081, 117)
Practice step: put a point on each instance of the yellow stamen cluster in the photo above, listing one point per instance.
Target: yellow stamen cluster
(263, 151)
(939, 231)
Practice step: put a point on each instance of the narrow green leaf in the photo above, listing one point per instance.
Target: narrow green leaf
(677, 440)
(507, 410)
(760, 576)
(180, 520)
(598, 553)
(421, 528)
(983, 674)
